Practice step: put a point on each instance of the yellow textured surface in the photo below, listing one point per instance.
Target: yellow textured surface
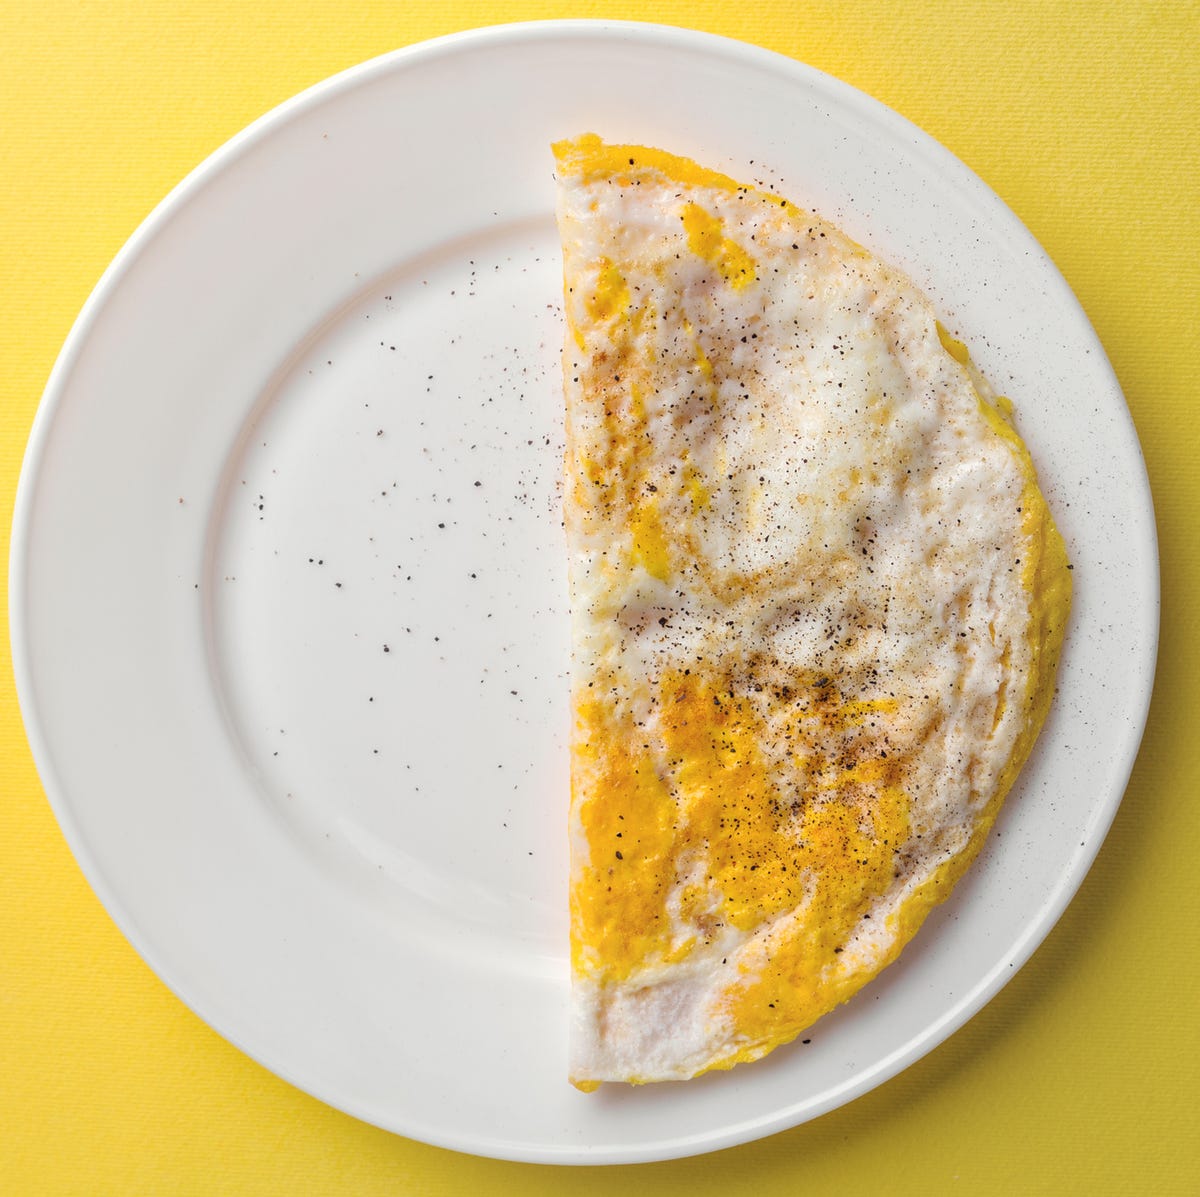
(1082, 1075)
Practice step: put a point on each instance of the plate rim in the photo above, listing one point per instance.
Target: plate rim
(665, 36)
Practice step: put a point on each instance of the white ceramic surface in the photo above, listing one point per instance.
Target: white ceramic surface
(287, 580)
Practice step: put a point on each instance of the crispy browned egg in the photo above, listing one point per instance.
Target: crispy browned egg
(817, 606)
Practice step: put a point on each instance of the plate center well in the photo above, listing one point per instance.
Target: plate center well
(389, 616)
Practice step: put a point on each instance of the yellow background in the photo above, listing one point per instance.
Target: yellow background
(1082, 1075)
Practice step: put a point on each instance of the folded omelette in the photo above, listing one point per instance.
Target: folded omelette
(817, 604)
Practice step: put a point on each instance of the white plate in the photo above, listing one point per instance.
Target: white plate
(287, 581)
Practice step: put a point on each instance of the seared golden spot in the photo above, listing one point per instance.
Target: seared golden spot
(956, 349)
(650, 549)
(617, 915)
(702, 363)
(707, 239)
(696, 490)
(610, 299)
(590, 158)
(703, 810)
